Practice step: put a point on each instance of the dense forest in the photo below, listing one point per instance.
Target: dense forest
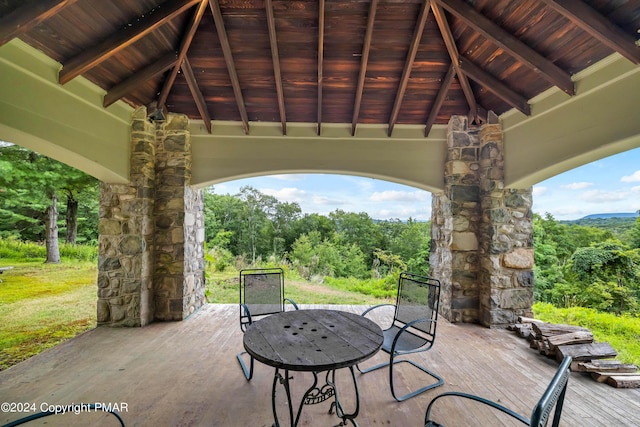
(590, 264)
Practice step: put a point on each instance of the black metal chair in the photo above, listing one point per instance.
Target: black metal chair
(86, 407)
(261, 294)
(413, 328)
(552, 397)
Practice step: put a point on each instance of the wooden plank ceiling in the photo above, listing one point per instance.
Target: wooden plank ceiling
(354, 62)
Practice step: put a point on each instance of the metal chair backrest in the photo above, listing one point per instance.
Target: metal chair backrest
(552, 397)
(261, 293)
(418, 298)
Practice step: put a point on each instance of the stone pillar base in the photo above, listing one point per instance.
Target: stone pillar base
(151, 241)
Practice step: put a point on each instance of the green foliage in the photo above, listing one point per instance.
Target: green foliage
(28, 181)
(617, 227)
(315, 257)
(606, 276)
(599, 272)
(385, 288)
(622, 332)
(23, 251)
(632, 236)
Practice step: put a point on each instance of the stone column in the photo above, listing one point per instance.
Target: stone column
(151, 242)
(455, 224)
(179, 225)
(506, 236)
(482, 235)
(125, 242)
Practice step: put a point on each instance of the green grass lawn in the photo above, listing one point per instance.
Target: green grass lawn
(42, 305)
(223, 288)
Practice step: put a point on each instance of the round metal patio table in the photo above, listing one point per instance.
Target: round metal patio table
(313, 341)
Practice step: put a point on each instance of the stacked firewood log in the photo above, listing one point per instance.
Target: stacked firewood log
(596, 359)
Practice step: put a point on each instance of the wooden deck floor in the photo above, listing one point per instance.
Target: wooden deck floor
(186, 374)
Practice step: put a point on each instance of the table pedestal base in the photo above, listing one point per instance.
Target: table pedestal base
(314, 395)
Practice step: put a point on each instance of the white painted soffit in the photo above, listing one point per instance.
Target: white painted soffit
(564, 132)
(67, 123)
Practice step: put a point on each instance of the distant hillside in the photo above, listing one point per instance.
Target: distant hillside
(617, 223)
(611, 215)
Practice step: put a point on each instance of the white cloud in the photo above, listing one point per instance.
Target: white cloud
(288, 194)
(577, 185)
(539, 190)
(287, 177)
(326, 201)
(634, 177)
(601, 196)
(399, 196)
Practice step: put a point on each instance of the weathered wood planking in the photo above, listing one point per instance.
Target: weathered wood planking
(581, 352)
(624, 381)
(604, 366)
(186, 373)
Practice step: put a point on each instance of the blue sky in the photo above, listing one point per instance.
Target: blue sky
(608, 185)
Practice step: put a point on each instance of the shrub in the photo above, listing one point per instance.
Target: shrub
(18, 250)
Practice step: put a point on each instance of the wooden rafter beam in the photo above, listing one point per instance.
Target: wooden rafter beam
(185, 42)
(27, 16)
(228, 59)
(450, 43)
(275, 57)
(599, 27)
(139, 77)
(320, 61)
(406, 72)
(118, 41)
(510, 44)
(201, 104)
(366, 47)
(439, 101)
(495, 86)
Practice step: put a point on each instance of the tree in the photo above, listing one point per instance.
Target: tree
(360, 229)
(633, 235)
(283, 217)
(30, 186)
(258, 208)
(606, 276)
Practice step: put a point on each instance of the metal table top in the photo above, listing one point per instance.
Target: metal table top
(313, 340)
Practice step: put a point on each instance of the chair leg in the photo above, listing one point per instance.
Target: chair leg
(248, 373)
(438, 378)
(373, 368)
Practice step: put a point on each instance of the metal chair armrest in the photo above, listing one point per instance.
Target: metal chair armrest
(479, 399)
(292, 303)
(243, 325)
(376, 306)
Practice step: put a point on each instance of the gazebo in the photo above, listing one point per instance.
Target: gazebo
(474, 101)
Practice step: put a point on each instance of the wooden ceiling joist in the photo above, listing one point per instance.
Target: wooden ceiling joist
(228, 59)
(439, 101)
(320, 61)
(364, 61)
(201, 104)
(185, 42)
(591, 21)
(275, 57)
(450, 43)
(495, 86)
(27, 16)
(123, 88)
(118, 41)
(512, 45)
(406, 72)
